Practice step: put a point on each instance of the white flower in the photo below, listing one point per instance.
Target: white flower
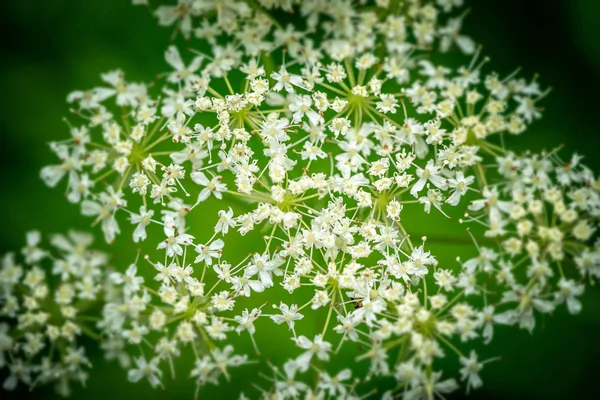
(317, 347)
(105, 211)
(285, 80)
(470, 371)
(265, 268)
(431, 173)
(225, 221)
(450, 33)
(583, 230)
(348, 326)
(148, 370)
(225, 358)
(491, 200)
(242, 285)
(289, 386)
(567, 292)
(301, 106)
(206, 253)
(369, 310)
(143, 219)
(172, 244)
(214, 186)
(31, 251)
(19, 371)
(130, 280)
(246, 320)
(460, 184)
(180, 14)
(312, 152)
(222, 301)
(181, 73)
(135, 335)
(430, 387)
(288, 315)
(334, 385)
(387, 104)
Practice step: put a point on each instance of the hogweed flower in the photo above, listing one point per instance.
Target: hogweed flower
(328, 135)
(48, 303)
(543, 213)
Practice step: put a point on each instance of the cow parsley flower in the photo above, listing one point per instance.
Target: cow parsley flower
(46, 303)
(327, 135)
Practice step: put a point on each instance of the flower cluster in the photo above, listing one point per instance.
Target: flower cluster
(543, 213)
(48, 304)
(323, 138)
(179, 316)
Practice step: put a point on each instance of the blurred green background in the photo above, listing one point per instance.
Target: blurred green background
(51, 48)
